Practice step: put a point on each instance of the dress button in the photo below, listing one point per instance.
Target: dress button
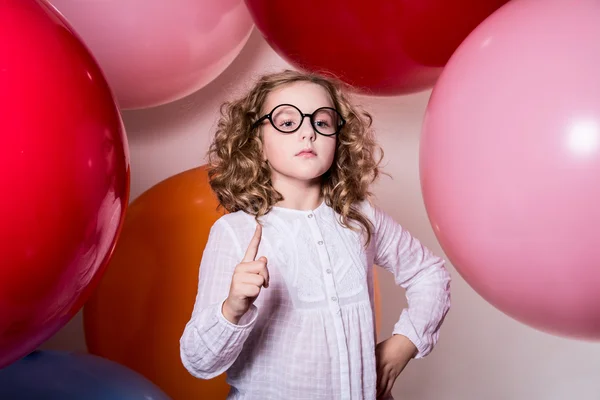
(334, 298)
(320, 242)
(310, 215)
(328, 271)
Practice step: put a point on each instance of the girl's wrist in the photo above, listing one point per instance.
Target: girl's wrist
(406, 346)
(230, 315)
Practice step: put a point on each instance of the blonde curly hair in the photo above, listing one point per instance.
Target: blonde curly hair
(241, 179)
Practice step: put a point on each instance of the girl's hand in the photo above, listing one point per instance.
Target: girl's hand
(392, 355)
(248, 278)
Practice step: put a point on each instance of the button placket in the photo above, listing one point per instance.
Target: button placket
(333, 305)
(325, 262)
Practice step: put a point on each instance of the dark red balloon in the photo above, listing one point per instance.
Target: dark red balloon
(382, 47)
(64, 174)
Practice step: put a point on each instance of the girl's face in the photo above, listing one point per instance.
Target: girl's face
(303, 155)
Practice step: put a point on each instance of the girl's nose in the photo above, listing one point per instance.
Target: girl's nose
(306, 130)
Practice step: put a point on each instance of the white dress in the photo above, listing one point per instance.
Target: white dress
(311, 334)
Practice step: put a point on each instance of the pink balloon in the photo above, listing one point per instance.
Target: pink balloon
(510, 163)
(157, 51)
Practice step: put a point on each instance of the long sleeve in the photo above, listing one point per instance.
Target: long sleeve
(422, 274)
(210, 343)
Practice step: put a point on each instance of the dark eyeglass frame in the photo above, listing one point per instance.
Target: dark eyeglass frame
(269, 116)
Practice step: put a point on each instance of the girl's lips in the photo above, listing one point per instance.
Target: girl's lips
(306, 154)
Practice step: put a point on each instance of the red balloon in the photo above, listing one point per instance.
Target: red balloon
(381, 47)
(64, 174)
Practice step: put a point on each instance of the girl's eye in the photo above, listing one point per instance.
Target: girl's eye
(287, 124)
(323, 124)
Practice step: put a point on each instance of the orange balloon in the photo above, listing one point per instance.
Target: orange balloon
(137, 314)
(377, 301)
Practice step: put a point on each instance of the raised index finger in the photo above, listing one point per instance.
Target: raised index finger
(253, 246)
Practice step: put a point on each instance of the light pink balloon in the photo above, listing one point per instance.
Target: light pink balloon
(510, 163)
(157, 51)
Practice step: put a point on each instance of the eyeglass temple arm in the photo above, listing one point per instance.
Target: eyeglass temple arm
(261, 119)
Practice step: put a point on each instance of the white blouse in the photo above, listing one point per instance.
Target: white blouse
(311, 334)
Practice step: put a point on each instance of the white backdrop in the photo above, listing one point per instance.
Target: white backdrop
(482, 354)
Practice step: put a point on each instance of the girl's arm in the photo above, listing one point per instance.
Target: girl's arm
(422, 274)
(210, 343)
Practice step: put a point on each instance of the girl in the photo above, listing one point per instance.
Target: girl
(285, 296)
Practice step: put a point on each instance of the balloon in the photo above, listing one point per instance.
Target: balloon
(54, 375)
(137, 315)
(381, 47)
(64, 173)
(158, 51)
(510, 163)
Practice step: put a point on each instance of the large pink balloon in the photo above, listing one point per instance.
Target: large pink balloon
(510, 163)
(157, 51)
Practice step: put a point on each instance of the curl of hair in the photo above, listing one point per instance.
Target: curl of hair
(241, 179)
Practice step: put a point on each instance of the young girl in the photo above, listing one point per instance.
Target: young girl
(285, 297)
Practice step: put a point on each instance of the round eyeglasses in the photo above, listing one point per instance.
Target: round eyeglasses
(287, 118)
